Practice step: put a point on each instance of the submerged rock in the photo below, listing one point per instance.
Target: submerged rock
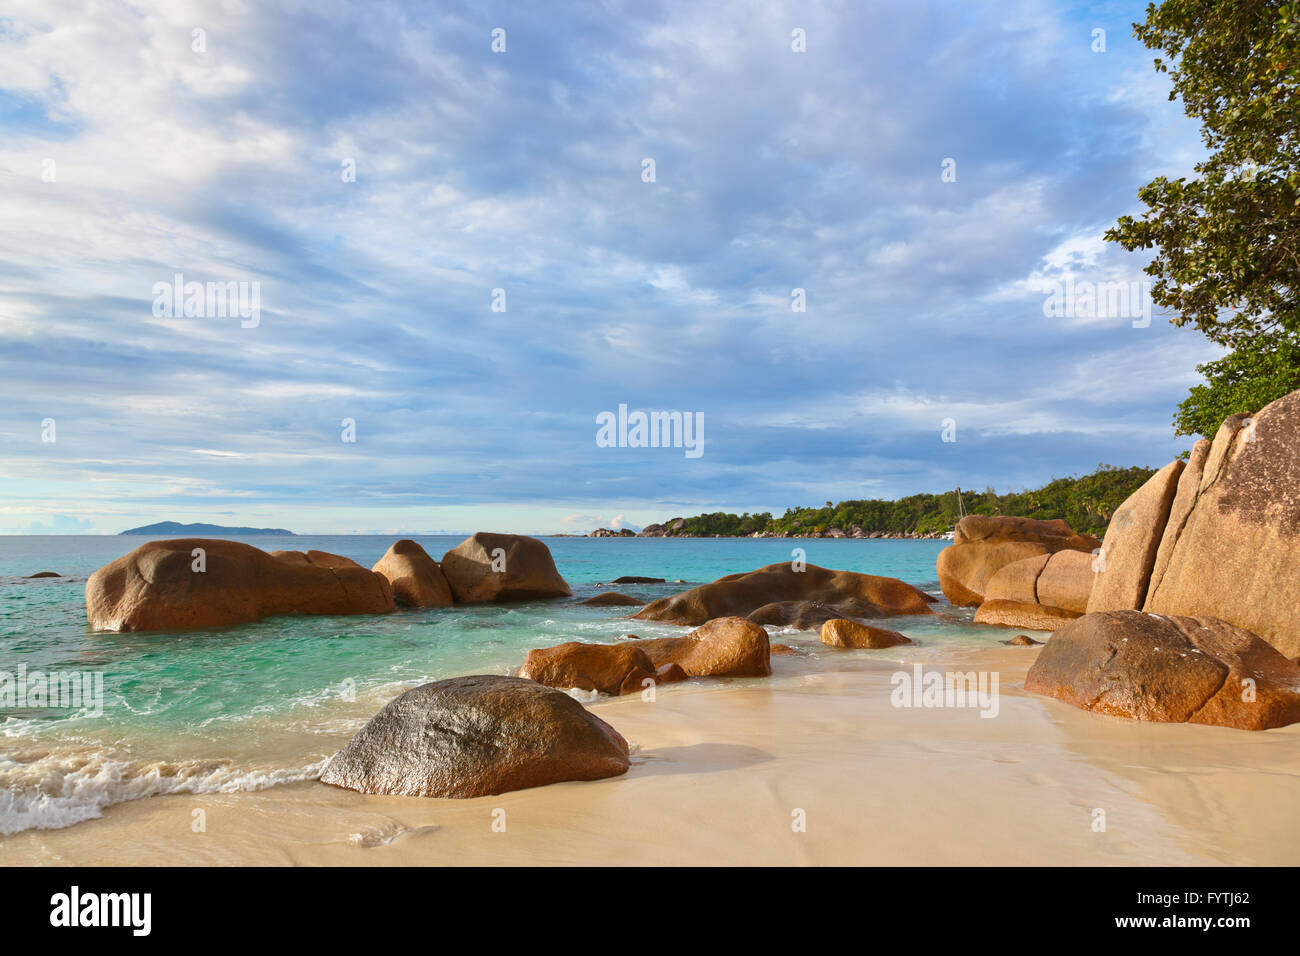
(189, 583)
(415, 577)
(1023, 640)
(983, 545)
(612, 599)
(45, 574)
(1175, 669)
(784, 594)
(843, 633)
(502, 567)
(475, 736)
(803, 615)
(636, 579)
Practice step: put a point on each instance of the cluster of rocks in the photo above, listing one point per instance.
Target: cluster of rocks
(854, 532)
(191, 583)
(1186, 612)
(482, 735)
(611, 533)
(674, 526)
(724, 647)
(1218, 536)
(479, 735)
(983, 546)
(730, 639)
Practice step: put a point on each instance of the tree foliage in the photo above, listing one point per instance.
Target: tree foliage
(1243, 381)
(1227, 240)
(1085, 503)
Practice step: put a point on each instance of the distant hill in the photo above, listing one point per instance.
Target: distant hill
(175, 527)
(1086, 503)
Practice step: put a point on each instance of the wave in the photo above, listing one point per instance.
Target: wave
(50, 789)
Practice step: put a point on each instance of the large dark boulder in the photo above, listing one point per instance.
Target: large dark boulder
(1176, 669)
(788, 596)
(475, 736)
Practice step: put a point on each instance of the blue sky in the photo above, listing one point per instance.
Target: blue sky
(523, 171)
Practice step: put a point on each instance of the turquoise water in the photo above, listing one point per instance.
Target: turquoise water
(251, 706)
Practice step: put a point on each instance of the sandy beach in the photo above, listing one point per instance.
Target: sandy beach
(721, 769)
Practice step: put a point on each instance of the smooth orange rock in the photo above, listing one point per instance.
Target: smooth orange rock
(1123, 569)
(600, 667)
(983, 545)
(724, 647)
(416, 579)
(1017, 581)
(1173, 669)
(843, 633)
(1036, 617)
(158, 587)
(1236, 555)
(638, 680)
(1066, 581)
(502, 567)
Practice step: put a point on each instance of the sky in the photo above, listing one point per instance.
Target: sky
(463, 252)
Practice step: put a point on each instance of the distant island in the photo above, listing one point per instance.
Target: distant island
(175, 527)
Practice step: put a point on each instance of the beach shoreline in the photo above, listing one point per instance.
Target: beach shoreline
(723, 771)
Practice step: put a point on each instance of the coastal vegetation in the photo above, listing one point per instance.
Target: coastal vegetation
(1227, 239)
(1085, 503)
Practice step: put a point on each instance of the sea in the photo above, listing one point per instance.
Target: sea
(267, 703)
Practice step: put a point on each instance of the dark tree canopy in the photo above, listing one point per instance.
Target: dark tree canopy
(1086, 503)
(1227, 241)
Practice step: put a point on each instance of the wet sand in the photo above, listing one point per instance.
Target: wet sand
(723, 770)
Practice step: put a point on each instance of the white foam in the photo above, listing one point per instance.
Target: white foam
(58, 788)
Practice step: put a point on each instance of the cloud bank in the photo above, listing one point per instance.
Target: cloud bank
(457, 250)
